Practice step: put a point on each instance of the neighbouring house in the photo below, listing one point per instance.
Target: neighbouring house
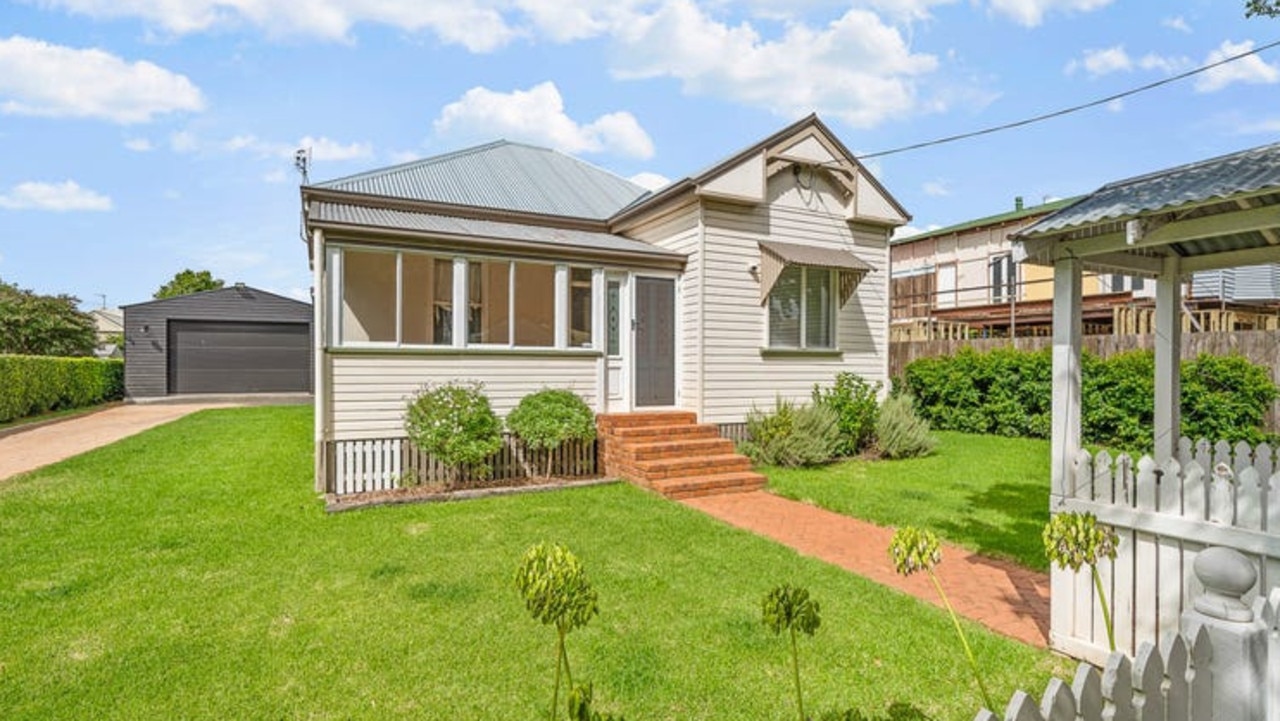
(962, 281)
(109, 330)
(521, 267)
(231, 340)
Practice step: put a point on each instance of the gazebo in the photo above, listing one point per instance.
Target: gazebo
(1214, 214)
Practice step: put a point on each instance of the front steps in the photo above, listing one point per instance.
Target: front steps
(671, 453)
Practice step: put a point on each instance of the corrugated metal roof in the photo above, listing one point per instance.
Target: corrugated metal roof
(340, 213)
(1247, 171)
(997, 219)
(502, 175)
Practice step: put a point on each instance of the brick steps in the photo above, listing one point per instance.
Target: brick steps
(671, 453)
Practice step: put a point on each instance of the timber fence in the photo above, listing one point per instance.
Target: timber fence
(363, 466)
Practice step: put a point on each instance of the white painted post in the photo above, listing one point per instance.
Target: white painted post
(1168, 345)
(1065, 424)
(318, 334)
(1238, 637)
(561, 306)
(461, 302)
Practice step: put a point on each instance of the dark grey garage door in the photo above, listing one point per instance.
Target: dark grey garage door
(235, 357)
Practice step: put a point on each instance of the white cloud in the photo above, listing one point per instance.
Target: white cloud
(57, 197)
(1116, 105)
(322, 148)
(184, 141)
(650, 181)
(1251, 69)
(1031, 13)
(404, 156)
(37, 78)
(472, 24)
(1176, 22)
(1260, 127)
(537, 115)
(1165, 64)
(1102, 62)
(936, 188)
(906, 231)
(275, 176)
(856, 68)
(139, 145)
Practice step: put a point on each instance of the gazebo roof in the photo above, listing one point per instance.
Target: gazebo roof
(1215, 213)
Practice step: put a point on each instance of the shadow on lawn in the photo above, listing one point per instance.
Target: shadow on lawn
(1025, 510)
(897, 711)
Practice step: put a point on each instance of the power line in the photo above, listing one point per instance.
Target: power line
(1068, 111)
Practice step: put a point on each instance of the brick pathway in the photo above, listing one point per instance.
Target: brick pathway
(1002, 596)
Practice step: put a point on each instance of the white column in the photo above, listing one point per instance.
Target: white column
(319, 297)
(1065, 426)
(599, 335)
(561, 306)
(1168, 344)
(460, 306)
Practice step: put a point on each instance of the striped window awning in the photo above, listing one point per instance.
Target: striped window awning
(775, 257)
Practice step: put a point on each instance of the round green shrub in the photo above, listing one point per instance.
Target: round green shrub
(855, 402)
(454, 423)
(545, 420)
(791, 435)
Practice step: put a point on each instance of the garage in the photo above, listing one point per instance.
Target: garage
(237, 340)
(208, 356)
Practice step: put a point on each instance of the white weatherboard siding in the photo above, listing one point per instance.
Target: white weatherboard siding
(370, 390)
(735, 326)
(679, 230)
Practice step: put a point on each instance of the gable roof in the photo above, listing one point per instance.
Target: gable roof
(990, 220)
(780, 138)
(240, 291)
(503, 176)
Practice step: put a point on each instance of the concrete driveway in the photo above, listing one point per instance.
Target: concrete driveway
(30, 449)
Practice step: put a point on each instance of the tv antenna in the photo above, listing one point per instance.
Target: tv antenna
(103, 296)
(302, 161)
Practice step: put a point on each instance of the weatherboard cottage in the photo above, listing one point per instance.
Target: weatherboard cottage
(524, 268)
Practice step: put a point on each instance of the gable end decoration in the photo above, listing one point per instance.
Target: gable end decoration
(775, 257)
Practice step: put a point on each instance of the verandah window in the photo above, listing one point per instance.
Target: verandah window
(405, 298)
(802, 309)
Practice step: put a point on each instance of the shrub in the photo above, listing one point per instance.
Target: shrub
(545, 420)
(856, 405)
(37, 384)
(1008, 392)
(900, 432)
(792, 435)
(454, 423)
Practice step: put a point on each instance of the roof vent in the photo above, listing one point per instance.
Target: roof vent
(1017, 203)
(239, 284)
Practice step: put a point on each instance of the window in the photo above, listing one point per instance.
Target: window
(579, 303)
(613, 317)
(802, 309)
(946, 285)
(368, 297)
(1004, 279)
(407, 298)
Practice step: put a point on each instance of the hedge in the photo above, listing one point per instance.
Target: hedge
(1008, 392)
(36, 384)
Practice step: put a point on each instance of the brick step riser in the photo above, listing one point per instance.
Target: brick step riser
(654, 433)
(694, 471)
(641, 420)
(668, 451)
(709, 486)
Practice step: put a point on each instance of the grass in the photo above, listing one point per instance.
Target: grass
(986, 493)
(189, 572)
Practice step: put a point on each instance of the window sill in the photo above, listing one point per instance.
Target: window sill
(801, 353)
(470, 351)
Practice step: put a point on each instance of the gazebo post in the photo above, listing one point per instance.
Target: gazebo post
(1065, 424)
(1168, 347)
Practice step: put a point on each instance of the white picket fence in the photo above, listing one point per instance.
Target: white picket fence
(1210, 495)
(365, 466)
(1171, 683)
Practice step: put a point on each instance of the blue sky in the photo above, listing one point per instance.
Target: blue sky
(141, 137)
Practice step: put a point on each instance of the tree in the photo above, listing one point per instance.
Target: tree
(1265, 8)
(189, 281)
(33, 324)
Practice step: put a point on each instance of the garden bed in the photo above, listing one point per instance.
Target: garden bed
(461, 491)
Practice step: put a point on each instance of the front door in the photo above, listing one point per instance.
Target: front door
(655, 351)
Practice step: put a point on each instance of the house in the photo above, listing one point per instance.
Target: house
(962, 281)
(233, 340)
(108, 326)
(521, 267)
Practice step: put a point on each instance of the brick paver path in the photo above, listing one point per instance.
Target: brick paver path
(1002, 596)
(30, 449)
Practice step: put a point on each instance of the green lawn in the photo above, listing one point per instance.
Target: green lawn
(189, 572)
(986, 493)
